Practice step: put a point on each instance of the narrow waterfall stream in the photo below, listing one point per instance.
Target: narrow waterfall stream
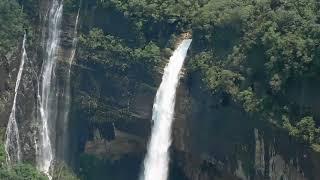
(47, 90)
(74, 44)
(12, 144)
(67, 93)
(157, 159)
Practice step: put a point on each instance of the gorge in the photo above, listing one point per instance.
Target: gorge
(95, 89)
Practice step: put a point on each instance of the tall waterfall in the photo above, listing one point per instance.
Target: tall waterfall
(67, 93)
(12, 144)
(157, 159)
(47, 90)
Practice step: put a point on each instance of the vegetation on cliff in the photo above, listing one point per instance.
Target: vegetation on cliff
(114, 55)
(254, 52)
(18, 172)
(26, 171)
(11, 25)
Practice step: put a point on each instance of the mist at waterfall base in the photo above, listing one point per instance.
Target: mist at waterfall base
(157, 159)
(47, 90)
(12, 143)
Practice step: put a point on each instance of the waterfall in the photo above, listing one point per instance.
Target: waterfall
(12, 144)
(67, 92)
(157, 159)
(74, 43)
(47, 91)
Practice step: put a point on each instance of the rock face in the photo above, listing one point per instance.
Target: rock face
(27, 100)
(229, 145)
(7, 69)
(212, 137)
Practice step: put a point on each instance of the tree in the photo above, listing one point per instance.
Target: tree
(11, 25)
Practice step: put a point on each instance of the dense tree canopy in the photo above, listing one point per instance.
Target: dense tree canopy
(255, 50)
(11, 25)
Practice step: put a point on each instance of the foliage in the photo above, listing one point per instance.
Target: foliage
(305, 129)
(19, 171)
(150, 54)
(27, 172)
(11, 25)
(155, 11)
(105, 50)
(254, 50)
(2, 156)
(114, 55)
(249, 100)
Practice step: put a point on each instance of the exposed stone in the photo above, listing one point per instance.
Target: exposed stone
(259, 163)
(240, 172)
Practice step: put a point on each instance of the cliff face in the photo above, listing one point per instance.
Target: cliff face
(219, 141)
(213, 138)
(27, 101)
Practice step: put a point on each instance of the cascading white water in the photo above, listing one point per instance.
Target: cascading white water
(46, 92)
(157, 159)
(74, 43)
(12, 144)
(67, 93)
